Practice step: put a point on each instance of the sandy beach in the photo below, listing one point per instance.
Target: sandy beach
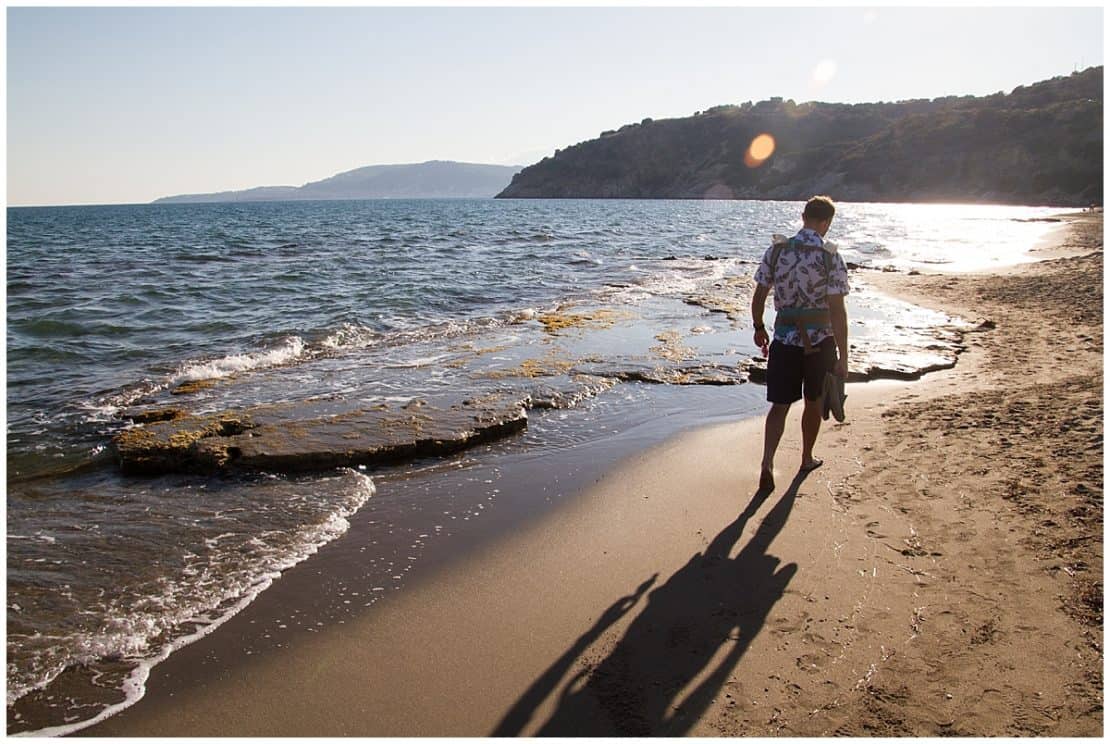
(941, 574)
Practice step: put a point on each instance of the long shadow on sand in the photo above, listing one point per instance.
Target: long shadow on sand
(643, 687)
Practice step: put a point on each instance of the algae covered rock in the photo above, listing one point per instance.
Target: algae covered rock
(283, 442)
(171, 445)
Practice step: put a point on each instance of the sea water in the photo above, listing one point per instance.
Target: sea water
(299, 302)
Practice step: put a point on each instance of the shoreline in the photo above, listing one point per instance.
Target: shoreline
(461, 597)
(650, 344)
(629, 411)
(323, 590)
(555, 548)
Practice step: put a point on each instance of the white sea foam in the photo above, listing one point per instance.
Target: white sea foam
(419, 362)
(523, 316)
(132, 638)
(678, 278)
(291, 349)
(375, 399)
(350, 336)
(585, 257)
(108, 408)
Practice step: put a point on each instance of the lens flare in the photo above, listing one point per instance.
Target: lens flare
(761, 148)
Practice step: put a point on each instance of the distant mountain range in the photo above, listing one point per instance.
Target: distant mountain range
(1040, 144)
(435, 179)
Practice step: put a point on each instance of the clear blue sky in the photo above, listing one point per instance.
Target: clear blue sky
(128, 104)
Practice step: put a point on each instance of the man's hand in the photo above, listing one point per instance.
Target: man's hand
(762, 340)
(840, 333)
(759, 298)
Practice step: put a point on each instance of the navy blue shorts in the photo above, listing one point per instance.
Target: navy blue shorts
(790, 371)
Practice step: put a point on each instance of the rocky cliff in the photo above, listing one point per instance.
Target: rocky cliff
(1039, 144)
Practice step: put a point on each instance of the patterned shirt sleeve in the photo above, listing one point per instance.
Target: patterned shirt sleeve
(838, 277)
(763, 275)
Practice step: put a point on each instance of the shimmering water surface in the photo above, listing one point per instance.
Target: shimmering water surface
(297, 303)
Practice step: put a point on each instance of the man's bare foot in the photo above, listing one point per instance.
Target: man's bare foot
(766, 480)
(811, 465)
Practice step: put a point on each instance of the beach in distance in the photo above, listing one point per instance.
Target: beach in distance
(597, 559)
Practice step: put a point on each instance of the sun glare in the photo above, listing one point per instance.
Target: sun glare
(824, 71)
(761, 148)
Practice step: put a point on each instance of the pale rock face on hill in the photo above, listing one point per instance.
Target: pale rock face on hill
(1038, 145)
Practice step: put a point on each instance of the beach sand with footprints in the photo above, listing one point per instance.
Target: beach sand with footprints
(941, 574)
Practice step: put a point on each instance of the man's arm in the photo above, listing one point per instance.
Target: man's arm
(759, 301)
(840, 332)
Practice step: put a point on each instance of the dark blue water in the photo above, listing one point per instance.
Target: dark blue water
(297, 302)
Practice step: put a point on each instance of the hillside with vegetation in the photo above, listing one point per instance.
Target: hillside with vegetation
(435, 179)
(1039, 144)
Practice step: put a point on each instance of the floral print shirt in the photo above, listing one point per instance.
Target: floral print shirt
(799, 281)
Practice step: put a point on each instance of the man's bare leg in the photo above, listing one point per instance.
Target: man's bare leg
(772, 435)
(811, 427)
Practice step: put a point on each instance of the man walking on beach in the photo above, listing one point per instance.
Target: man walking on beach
(811, 326)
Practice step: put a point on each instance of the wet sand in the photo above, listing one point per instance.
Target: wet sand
(940, 575)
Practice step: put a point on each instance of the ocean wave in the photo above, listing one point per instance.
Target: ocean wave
(226, 585)
(52, 328)
(418, 362)
(680, 277)
(351, 336)
(290, 350)
(106, 408)
(347, 338)
(584, 258)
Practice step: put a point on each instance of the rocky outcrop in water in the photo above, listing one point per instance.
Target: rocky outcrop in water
(359, 407)
(267, 438)
(289, 439)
